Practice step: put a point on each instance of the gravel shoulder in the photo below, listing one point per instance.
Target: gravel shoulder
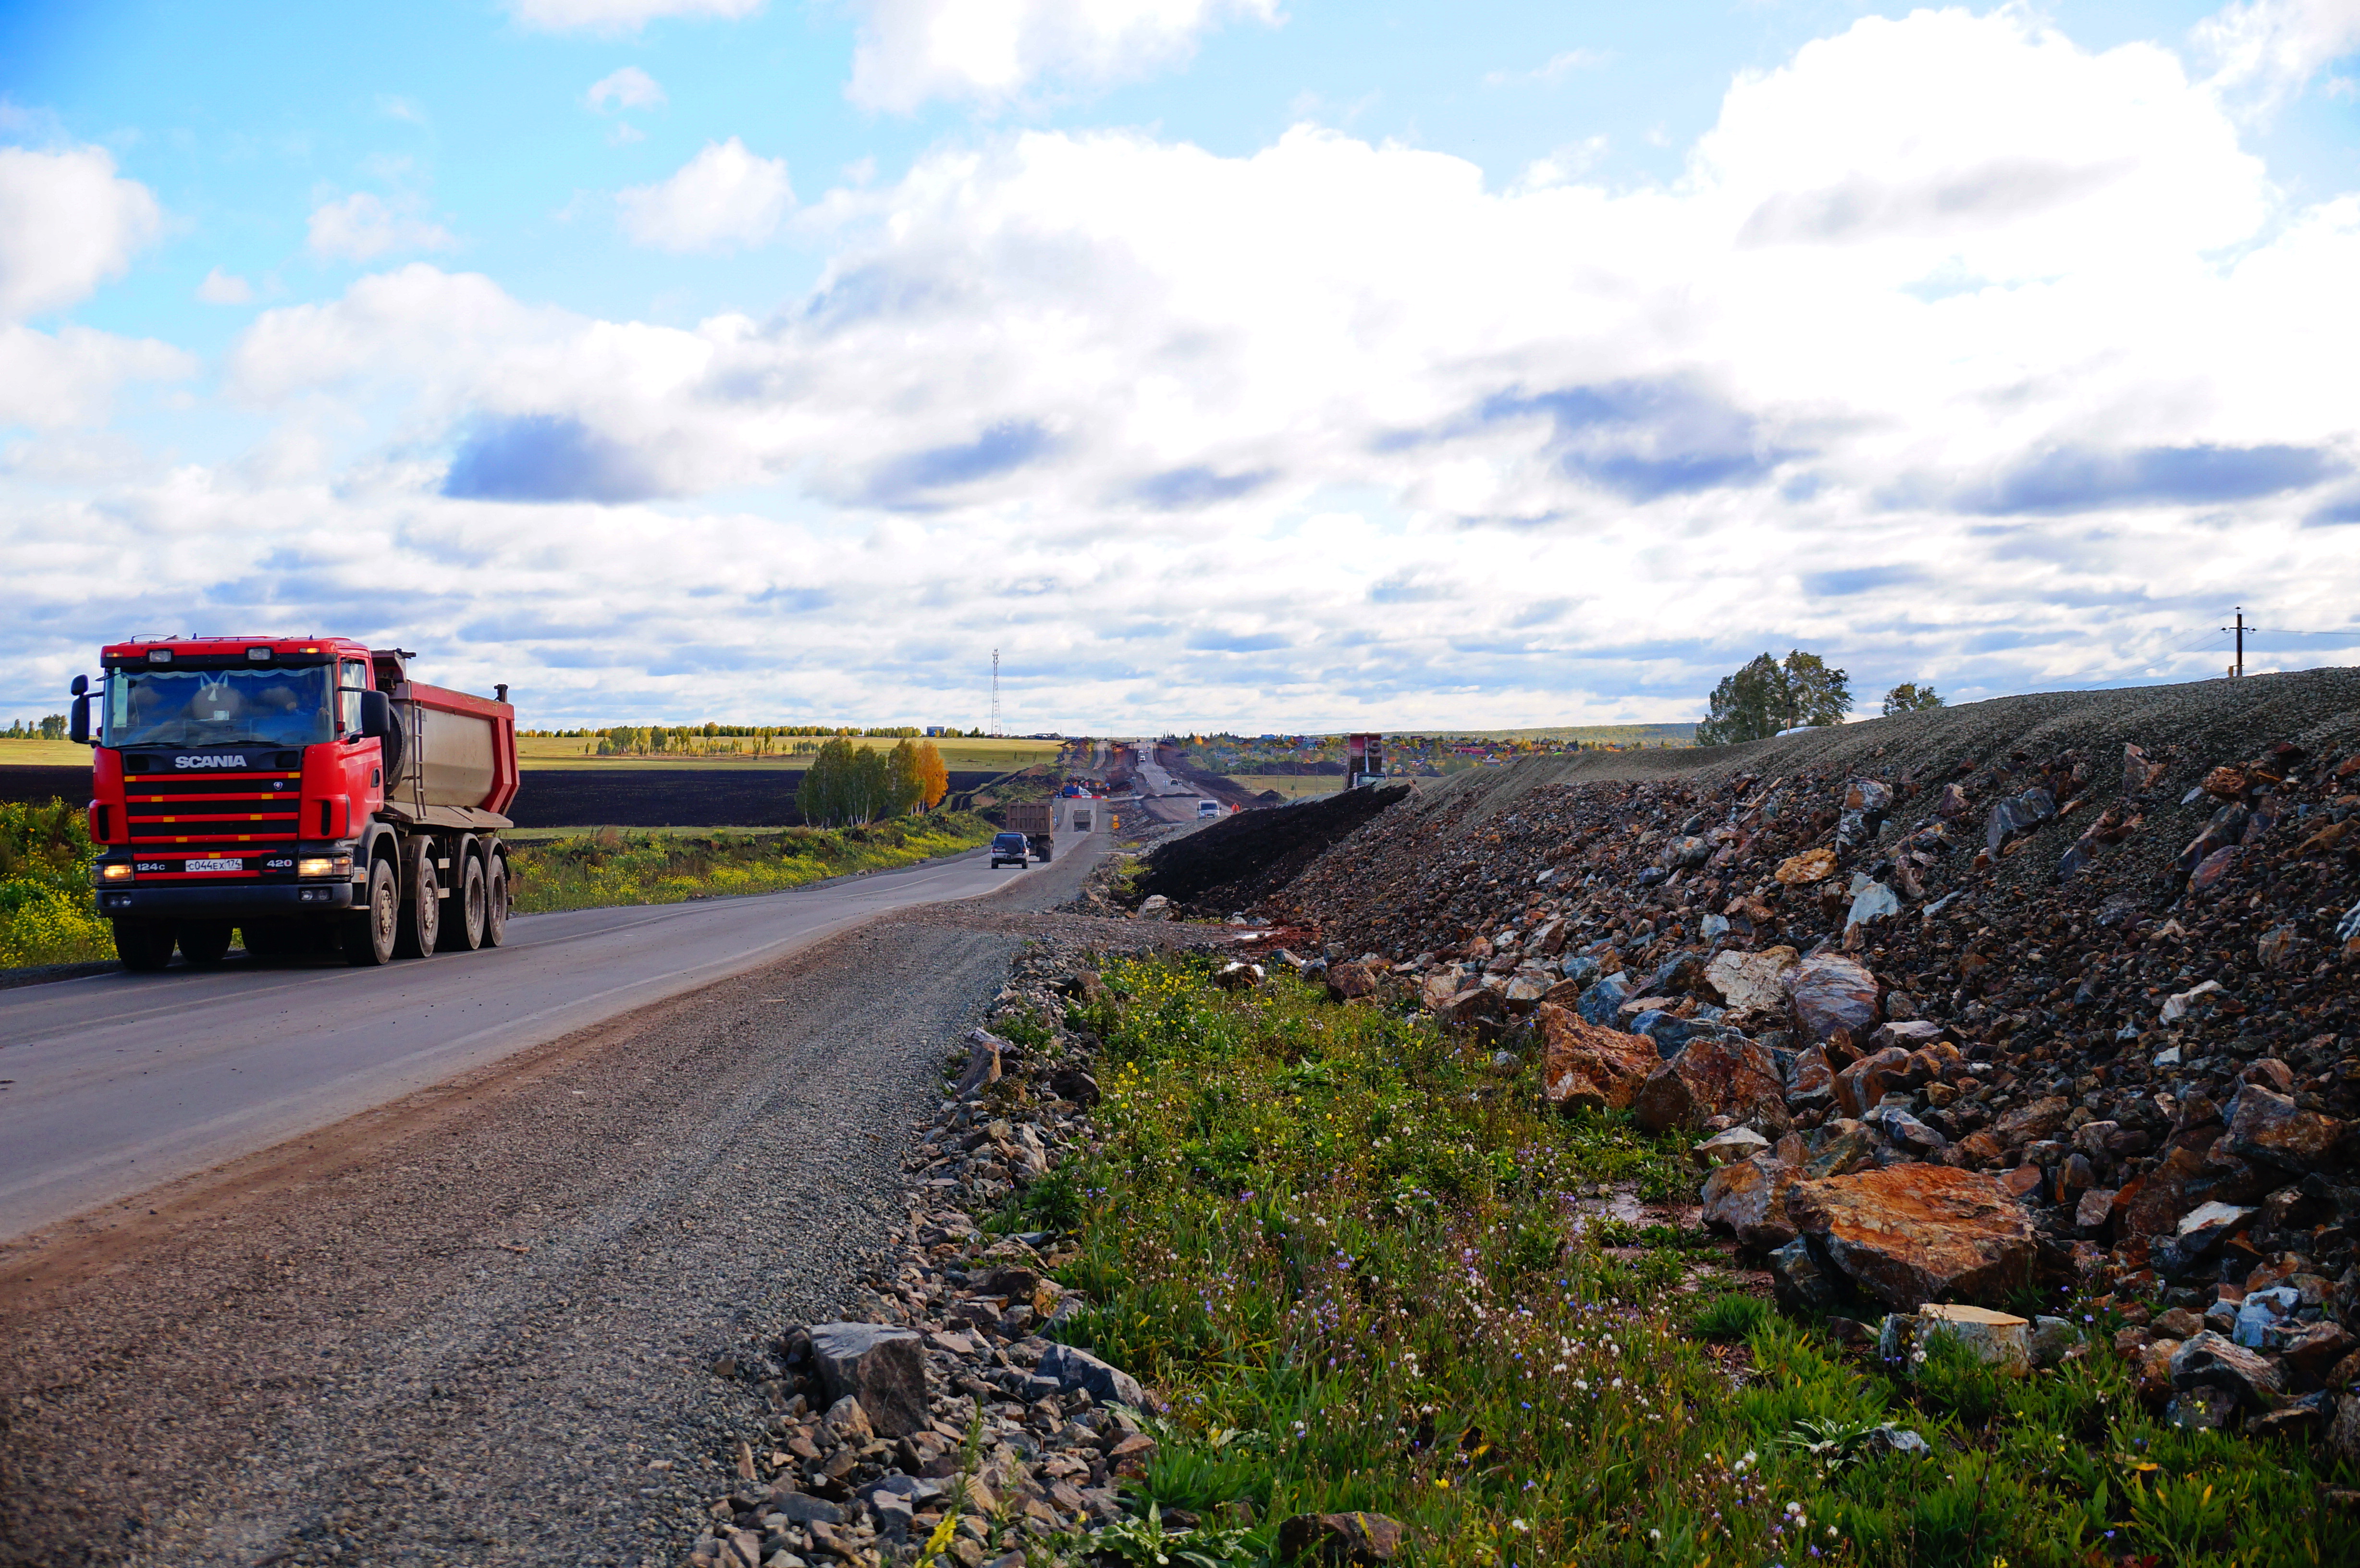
(475, 1326)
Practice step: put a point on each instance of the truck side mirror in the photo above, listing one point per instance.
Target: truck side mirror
(78, 716)
(80, 686)
(376, 716)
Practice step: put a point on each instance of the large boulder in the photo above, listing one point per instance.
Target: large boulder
(1586, 1064)
(1913, 1234)
(884, 1368)
(2271, 1128)
(1832, 993)
(1751, 981)
(1718, 1075)
(1602, 1002)
(1071, 1368)
(1859, 1087)
(1748, 1199)
(2211, 1360)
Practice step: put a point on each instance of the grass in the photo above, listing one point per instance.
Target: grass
(47, 912)
(608, 867)
(42, 754)
(1294, 786)
(962, 756)
(1338, 1244)
(48, 915)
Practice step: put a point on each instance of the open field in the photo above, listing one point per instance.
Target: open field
(1294, 786)
(536, 753)
(610, 868)
(43, 754)
(1369, 1272)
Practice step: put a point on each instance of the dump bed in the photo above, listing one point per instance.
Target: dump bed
(458, 763)
(1031, 817)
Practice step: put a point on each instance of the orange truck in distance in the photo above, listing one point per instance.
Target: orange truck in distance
(304, 792)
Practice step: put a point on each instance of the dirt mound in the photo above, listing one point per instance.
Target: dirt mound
(2098, 947)
(1239, 860)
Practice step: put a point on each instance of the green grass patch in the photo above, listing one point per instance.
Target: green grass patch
(47, 914)
(1343, 1249)
(616, 865)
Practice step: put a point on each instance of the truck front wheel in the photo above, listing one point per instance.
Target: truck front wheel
(145, 946)
(467, 933)
(421, 911)
(204, 942)
(369, 935)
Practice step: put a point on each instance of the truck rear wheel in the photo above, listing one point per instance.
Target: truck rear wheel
(204, 942)
(368, 936)
(466, 933)
(421, 911)
(496, 899)
(145, 946)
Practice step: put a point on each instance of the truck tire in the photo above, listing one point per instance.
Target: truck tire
(368, 936)
(421, 911)
(204, 942)
(496, 899)
(145, 946)
(463, 932)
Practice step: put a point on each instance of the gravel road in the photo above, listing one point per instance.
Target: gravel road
(478, 1325)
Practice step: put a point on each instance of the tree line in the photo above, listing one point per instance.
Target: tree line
(1770, 695)
(845, 785)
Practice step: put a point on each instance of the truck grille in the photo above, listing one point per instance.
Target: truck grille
(250, 819)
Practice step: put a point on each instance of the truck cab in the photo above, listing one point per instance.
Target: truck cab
(280, 787)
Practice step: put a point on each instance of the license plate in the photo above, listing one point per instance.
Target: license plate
(216, 866)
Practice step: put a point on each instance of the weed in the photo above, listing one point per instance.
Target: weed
(1731, 1317)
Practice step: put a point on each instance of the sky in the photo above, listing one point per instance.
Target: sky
(1256, 365)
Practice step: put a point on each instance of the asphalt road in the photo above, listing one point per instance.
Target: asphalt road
(1165, 798)
(116, 1083)
(477, 1325)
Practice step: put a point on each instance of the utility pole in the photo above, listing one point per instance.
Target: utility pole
(995, 693)
(2239, 669)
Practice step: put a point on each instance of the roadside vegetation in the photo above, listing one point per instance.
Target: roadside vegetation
(47, 912)
(1343, 1247)
(607, 866)
(48, 916)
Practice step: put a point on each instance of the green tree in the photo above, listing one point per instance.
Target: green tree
(823, 796)
(1911, 698)
(1767, 696)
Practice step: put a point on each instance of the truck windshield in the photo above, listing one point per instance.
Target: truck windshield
(219, 707)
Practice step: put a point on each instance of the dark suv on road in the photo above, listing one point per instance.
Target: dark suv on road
(1008, 849)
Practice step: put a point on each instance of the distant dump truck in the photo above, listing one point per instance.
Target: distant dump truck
(1037, 820)
(1080, 820)
(303, 792)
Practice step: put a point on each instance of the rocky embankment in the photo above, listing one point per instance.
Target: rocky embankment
(1961, 1019)
(942, 1419)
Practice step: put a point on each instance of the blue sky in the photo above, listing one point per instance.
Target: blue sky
(1224, 362)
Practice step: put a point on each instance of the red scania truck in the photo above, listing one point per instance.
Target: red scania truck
(303, 792)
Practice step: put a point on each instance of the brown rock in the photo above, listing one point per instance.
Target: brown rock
(1860, 1086)
(1713, 1077)
(2021, 1181)
(1811, 865)
(2150, 1204)
(1954, 803)
(2211, 1360)
(1811, 1085)
(2096, 1207)
(1350, 983)
(2030, 1124)
(1587, 1064)
(2226, 783)
(1338, 1540)
(1912, 1233)
(2270, 1126)
(1830, 993)
(1748, 1198)
(1980, 1148)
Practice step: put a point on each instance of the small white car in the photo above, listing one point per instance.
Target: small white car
(1208, 807)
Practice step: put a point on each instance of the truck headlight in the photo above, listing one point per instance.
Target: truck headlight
(325, 865)
(116, 871)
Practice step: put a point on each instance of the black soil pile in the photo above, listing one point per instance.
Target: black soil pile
(1241, 859)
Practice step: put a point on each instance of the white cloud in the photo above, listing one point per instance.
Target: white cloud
(68, 223)
(2270, 49)
(723, 199)
(621, 16)
(52, 381)
(1957, 351)
(364, 226)
(1555, 69)
(629, 88)
(225, 288)
(910, 50)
